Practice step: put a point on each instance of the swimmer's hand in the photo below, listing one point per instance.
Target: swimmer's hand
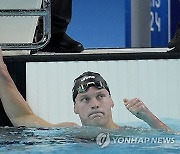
(138, 108)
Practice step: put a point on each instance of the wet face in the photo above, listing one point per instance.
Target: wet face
(94, 107)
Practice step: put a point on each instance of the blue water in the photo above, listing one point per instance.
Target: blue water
(84, 140)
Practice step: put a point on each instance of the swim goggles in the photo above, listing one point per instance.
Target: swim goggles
(84, 87)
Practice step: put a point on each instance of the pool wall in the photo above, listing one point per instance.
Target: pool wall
(156, 82)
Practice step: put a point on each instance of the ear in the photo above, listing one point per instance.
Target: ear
(112, 103)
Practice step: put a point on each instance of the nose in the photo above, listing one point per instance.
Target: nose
(94, 104)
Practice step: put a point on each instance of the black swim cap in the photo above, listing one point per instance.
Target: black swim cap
(86, 80)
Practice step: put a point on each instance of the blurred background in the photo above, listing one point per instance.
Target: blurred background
(124, 23)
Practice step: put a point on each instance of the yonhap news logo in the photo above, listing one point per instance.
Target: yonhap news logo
(104, 139)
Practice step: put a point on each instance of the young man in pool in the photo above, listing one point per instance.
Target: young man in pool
(92, 102)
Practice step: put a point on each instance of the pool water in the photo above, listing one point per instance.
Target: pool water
(88, 140)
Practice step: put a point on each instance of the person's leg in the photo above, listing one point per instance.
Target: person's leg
(175, 42)
(60, 42)
(61, 12)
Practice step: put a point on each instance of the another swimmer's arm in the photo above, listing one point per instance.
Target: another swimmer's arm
(138, 108)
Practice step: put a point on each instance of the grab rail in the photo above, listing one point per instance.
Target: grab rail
(45, 12)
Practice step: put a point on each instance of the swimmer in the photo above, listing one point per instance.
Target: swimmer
(92, 102)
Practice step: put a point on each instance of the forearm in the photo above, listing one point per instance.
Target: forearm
(13, 103)
(138, 108)
(155, 123)
(16, 108)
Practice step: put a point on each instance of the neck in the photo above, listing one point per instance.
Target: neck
(112, 125)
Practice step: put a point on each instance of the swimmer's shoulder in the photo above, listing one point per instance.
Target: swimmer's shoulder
(66, 124)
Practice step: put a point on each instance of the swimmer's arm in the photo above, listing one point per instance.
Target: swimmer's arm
(138, 108)
(35, 121)
(16, 108)
(14, 104)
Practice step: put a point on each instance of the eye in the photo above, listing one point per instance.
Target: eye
(100, 96)
(85, 99)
